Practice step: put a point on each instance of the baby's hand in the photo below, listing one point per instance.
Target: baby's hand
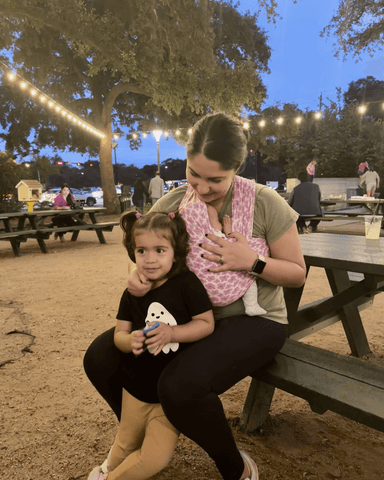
(227, 224)
(137, 342)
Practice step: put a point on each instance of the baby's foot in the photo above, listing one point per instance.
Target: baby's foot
(227, 224)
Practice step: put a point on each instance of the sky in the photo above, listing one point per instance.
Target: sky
(302, 66)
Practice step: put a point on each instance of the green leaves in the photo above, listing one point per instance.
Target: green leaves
(358, 26)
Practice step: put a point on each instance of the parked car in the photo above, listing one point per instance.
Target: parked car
(50, 195)
(96, 192)
(86, 197)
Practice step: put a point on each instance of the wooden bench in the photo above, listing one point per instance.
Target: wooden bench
(104, 226)
(15, 238)
(330, 218)
(326, 380)
(99, 228)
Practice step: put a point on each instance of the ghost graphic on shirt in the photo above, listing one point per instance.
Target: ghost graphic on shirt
(158, 313)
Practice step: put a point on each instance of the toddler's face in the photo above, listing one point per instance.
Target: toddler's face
(154, 256)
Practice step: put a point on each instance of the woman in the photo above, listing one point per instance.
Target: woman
(63, 201)
(190, 386)
(138, 194)
(372, 181)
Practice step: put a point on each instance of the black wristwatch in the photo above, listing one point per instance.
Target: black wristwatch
(258, 266)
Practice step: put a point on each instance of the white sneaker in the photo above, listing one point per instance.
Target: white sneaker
(96, 474)
(104, 467)
(254, 474)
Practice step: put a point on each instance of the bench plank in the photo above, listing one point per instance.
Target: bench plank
(328, 381)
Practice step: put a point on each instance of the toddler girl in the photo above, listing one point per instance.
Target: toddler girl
(179, 309)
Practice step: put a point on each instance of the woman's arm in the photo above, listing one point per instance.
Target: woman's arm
(285, 266)
(199, 327)
(58, 203)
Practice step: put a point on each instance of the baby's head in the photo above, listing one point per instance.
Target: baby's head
(170, 226)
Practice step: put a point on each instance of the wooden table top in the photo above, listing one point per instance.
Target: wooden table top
(358, 201)
(47, 213)
(344, 252)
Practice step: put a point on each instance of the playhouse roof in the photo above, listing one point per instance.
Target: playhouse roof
(29, 184)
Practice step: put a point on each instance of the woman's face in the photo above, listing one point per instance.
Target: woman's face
(209, 181)
(65, 191)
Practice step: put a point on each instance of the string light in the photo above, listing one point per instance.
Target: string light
(34, 92)
(280, 120)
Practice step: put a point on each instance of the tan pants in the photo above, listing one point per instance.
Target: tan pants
(144, 443)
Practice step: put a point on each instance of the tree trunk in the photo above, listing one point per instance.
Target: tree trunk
(111, 200)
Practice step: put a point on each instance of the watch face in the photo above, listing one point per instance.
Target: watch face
(258, 266)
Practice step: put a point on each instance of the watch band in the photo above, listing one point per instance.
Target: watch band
(258, 266)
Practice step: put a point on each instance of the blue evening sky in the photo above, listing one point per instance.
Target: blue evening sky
(302, 68)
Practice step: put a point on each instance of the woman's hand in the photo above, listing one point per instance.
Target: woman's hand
(138, 285)
(159, 337)
(234, 256)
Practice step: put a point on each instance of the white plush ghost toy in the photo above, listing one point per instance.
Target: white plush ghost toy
(158, 313)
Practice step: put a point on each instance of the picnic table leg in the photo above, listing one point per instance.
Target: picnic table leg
(79, 218)
(14, 243)
(99, 232)
(42, 245)
(75, 234)
(256, 406)
(349, 315)
(15, 247)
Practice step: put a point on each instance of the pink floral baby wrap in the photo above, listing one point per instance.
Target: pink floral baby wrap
(223, 287)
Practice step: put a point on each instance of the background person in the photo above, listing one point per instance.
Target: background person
(311, 170)
(190, 385)
(305, 200)
(63, 201)
(372, 181)
(158, 244)
(156, 187)
(138, 194)
(363, 166)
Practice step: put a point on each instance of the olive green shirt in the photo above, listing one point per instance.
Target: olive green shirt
(272, 218)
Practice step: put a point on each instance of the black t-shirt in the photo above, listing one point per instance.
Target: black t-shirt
(175, 302)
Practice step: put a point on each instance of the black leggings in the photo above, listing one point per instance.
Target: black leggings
(189, 387)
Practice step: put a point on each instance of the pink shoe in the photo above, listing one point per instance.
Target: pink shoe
(97, 474)
(254, 475)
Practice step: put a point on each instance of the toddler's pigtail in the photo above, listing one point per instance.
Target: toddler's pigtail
(126, 223)
(182, 238)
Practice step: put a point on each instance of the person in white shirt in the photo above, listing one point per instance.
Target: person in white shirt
(156, 188)
(372, 181)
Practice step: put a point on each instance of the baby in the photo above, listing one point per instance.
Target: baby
(251, 304)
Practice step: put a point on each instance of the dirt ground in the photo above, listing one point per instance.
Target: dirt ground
(55, 426)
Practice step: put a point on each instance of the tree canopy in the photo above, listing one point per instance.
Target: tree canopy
(369, 93)
(339, 140)
(358, 26)
(127, 63)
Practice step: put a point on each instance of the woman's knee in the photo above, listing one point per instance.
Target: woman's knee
(102, 355)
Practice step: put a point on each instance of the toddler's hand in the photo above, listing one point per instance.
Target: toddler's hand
(137, 341)
(159, 337)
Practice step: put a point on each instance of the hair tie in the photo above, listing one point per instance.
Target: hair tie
(171, 214)
(138, 215)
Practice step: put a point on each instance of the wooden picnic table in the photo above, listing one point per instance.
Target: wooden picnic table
(18, 227)
(339, 255)
(372, 205)
(328, 381)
